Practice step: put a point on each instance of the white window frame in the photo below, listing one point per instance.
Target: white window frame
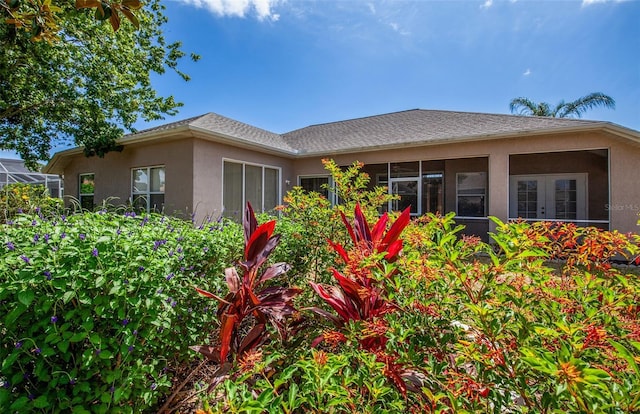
(147, 194)
(262, 166)
(80, 193)
(485, 195)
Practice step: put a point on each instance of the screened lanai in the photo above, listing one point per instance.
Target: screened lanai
(14, 171)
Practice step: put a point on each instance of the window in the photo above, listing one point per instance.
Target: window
(471, 194)
(86, 191)
(256, 184)
(147, 188)
(318, 184)
(566, 194)
(433, 192)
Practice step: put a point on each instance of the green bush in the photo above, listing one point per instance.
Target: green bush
(97, 308)
(472, 328)
(26, 198)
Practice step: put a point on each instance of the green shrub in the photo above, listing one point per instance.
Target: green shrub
(316, 382)
(452, 324)
(26, 198)
(475, 328)
(308, 220)
(97, 308)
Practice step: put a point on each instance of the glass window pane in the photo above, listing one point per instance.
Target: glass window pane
(271, 187)
(405, 169)
(408, 192)
(87, 184)
(471, 206)
(471, 190)
(527, 198)
(472, 183)
(86, 202)
(253, 186)
(140, 182)
(157, 180)
(432, 193)
(315, 184)
(140, 202)
(156, 202)
(566, 196)
(232, 191)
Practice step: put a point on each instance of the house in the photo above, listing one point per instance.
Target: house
(475, 164)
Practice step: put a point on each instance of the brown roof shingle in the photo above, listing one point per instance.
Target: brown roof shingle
(418, 126)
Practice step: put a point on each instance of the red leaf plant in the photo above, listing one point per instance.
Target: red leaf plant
(245, 312)
(359, 296)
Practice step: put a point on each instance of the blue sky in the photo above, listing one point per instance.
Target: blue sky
(282, 65)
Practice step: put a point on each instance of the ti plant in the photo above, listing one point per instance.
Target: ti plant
(360, 296)
(249, 307)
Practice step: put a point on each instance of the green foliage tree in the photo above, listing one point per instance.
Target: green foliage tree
(86, 83)
(525, 106)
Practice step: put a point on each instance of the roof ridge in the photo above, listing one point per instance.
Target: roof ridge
(574, 120)
(237, 122)
(355, 119)
(169, 125)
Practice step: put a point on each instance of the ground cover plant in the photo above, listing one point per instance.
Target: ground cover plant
(97, 308)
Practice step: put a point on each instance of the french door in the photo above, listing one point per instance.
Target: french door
(548, 197)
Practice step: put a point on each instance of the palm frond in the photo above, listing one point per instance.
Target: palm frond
(523, 106)
(581, 105)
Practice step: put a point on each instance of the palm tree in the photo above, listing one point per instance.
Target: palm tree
(563, 109)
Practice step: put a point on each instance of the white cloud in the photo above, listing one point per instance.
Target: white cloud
(527, 72)
(396, 28)
(487, 4)
(238, 8)
(590, 2)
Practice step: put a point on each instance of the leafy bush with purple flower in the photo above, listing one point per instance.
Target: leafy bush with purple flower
(96, 309)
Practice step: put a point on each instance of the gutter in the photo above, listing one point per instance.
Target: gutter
(54, 167)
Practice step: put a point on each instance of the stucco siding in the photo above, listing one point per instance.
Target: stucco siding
(207, 167)
(543, 154)
(113, 173)
(624, 205)
(503, 146)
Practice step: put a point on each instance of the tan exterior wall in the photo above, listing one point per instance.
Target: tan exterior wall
(207, 176)
(113, 173)
(623, 205)
(194, 170)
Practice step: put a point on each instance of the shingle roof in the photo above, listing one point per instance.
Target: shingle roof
(406, 128)
(418, 127)
(225, 127)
